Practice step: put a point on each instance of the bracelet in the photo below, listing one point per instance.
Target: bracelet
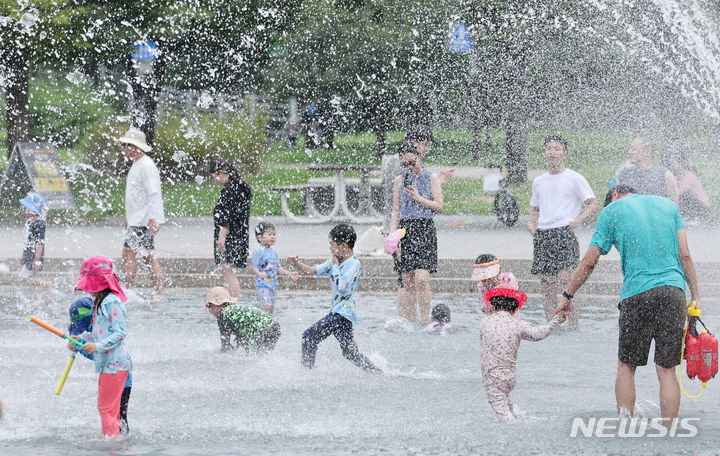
(568, 295)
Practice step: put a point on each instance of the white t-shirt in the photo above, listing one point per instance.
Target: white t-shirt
(143, 180)
(559, 197)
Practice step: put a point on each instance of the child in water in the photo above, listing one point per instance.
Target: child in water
(266, 266)
(500, 336)
(106, 338)
(33, 255)
(343, 270)
(487, 272)
(252, 328)
(81, 321)
(440, 319)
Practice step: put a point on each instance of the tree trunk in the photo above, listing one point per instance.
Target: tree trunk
(17, 99)
(381, 144)
(153, 98)
(146, 94)
(516, 147)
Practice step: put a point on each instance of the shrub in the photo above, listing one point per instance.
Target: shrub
(183, 148)
(100, 149)
(63, 109)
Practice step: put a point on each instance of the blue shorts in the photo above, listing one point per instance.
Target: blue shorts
(267, 297)
(26, 273)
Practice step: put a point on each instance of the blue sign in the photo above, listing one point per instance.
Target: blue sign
(145, 51)
(461, 42)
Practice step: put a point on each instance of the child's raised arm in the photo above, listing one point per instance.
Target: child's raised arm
(536, 333)
(304, 268)
(294, 275)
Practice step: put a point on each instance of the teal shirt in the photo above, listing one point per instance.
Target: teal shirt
(643, 228)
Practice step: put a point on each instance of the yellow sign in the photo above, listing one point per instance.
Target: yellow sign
(45, 168)
(51, 184)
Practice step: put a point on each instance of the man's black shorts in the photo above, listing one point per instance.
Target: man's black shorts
(659, 314)
(140, 239)
(554, 250)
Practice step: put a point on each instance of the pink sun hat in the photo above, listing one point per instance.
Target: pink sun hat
(96, 274)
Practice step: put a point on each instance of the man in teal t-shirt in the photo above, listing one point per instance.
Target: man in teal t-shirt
(649, 234)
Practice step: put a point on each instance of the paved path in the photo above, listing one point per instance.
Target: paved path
(192, 238)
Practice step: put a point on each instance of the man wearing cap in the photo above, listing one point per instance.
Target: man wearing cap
(143, 208)
(252, 328)
(649, 234)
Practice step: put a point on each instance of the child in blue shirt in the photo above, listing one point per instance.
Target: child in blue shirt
(81, 321)
(343, 270)
(33, 255)
(266, 266)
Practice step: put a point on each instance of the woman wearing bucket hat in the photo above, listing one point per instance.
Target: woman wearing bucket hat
(106, 338)
(143, 208)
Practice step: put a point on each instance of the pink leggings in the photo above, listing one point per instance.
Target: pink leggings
(110, 388)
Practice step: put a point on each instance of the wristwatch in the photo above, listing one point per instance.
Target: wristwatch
(568, 295)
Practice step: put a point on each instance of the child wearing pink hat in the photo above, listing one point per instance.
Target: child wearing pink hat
(500, 336)
(106, 338)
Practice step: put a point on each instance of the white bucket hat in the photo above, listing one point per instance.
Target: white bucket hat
(136, 138)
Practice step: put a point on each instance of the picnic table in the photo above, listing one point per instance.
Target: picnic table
(365, 212)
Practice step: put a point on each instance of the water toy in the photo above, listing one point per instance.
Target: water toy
(700, 352)
(54, 330)
(390, 244)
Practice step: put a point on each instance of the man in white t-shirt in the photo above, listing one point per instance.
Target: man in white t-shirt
(143, 208)
(556, 209)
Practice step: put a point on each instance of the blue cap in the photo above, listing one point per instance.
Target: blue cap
(34, 202)
(80, 315)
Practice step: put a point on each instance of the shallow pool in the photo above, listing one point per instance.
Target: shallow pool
(187, 399)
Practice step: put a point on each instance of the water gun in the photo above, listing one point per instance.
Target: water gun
(54, 330)
(699, 350)
(390, 244)
(70, 361)
(65, 373)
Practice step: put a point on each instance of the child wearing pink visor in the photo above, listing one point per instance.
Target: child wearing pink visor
(487, 272)
(106, 339)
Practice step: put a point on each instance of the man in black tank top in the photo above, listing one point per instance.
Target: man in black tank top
(644, 176)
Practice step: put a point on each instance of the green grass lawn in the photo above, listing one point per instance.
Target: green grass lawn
(594, 154)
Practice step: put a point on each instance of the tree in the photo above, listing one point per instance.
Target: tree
(43, 32)
(381, 58)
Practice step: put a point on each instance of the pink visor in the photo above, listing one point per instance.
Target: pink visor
(96, 274)
(485, 271)
(392, 240)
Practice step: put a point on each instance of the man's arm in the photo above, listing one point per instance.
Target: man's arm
(445, 175)
(590, 208)
(673, 191)
(533, 221)
(688, 266)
